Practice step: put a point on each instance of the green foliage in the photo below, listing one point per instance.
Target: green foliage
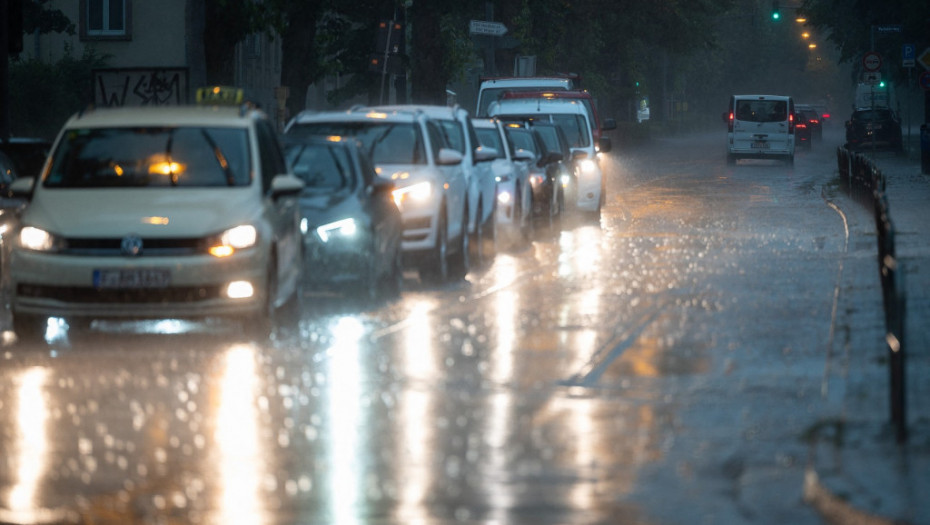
(41, 93)
(38, 16)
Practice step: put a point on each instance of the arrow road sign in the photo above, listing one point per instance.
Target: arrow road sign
(480, 27)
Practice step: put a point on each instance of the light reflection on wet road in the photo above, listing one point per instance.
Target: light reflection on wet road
(655, 368)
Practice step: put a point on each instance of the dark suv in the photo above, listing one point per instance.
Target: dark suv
(878, 128)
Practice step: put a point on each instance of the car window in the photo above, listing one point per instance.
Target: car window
(491, 138)
(384, 142)
(452, 130)
(761, 110)
(575, 129)
(151, 157)
(550, 137)
(322, 167)
(522, 139)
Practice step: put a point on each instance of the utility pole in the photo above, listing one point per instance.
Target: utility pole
(4, 71)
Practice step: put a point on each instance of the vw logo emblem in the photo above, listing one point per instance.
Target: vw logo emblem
(131, 245)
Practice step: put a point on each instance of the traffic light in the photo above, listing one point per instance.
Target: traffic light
(776, 13)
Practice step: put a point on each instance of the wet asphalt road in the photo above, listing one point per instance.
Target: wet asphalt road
(661, 366)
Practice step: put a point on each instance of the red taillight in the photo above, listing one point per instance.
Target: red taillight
(730, 122)
(814, 121)
(826, 115)
(802, 126)
(790, 123)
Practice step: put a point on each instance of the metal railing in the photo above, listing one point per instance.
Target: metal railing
(865, 184)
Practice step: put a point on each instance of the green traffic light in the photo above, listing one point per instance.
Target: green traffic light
(776, 15)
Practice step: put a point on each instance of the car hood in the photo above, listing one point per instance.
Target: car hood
(148, 212)
(324, 208)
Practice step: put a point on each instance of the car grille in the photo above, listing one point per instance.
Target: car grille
(150, 247)
(86, 294)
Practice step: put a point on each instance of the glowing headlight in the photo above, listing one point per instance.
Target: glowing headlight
(343, 228)
(418, 192)
(233, 239)
(565, 180)
(504, 197)
(588, 166)
(32, 238)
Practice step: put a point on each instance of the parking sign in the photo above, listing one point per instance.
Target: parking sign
(908, 55)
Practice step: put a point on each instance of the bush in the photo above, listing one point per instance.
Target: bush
(43, 96)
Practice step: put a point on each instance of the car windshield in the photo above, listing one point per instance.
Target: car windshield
(323, 167)
(761, 110)
(384, 142)
(157, 157)
(873, 114)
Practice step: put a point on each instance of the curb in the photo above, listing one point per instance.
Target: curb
(834, 509)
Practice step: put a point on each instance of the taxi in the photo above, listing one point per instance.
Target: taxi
(158, 212)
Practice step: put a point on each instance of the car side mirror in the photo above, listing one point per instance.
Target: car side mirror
(448, 157)
(522, 154)
(550, 157)
(286, 185)
(21, 188)
(604, 145)
(484, 153)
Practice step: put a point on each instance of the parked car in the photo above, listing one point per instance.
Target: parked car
(410, 150)
(813, 120)
(878, 128)
(160, 212)
(455, 123)
(350, 223)
(511, 171)
(548, 172)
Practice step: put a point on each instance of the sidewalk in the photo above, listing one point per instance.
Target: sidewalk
(859, 473)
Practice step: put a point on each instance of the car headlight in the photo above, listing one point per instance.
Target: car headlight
(588, 166)
(419, 192)
(37, 239)
(237, 238)
(504, 197)
(345, 228)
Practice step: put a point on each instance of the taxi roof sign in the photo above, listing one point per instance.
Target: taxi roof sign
(220, 95)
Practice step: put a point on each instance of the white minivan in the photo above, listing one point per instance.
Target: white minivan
(760, 127)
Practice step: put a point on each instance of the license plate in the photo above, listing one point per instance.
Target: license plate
(760, 144)
(132, 278)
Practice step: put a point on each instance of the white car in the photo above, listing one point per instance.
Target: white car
(511, 170)
(459, 132)
(157, 213)
(760, 127)
(572, 117)
(409, 149)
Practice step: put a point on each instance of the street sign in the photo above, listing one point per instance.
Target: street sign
(924, 80)
(872, 61)
(924, 59)
(480, 27)
(908, 54)
(895, 28)
(873, 77)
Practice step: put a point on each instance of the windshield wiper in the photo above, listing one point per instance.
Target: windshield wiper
(220, 158)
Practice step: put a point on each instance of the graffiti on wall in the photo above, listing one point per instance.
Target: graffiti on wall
(140, 87)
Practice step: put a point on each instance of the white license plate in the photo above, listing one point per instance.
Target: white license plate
(760, 144)
(132, 278)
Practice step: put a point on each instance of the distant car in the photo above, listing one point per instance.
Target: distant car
(598, 125)
(410, 149)
(570, 115)
(813, 119)
(492, 89)
(803, 131)
(760, 127)
(350, 223)
(548, 172)
(511, 170)
(878, 128)
(158, 212)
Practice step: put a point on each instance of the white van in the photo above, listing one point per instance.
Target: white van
(492, 89)
(760, 127)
